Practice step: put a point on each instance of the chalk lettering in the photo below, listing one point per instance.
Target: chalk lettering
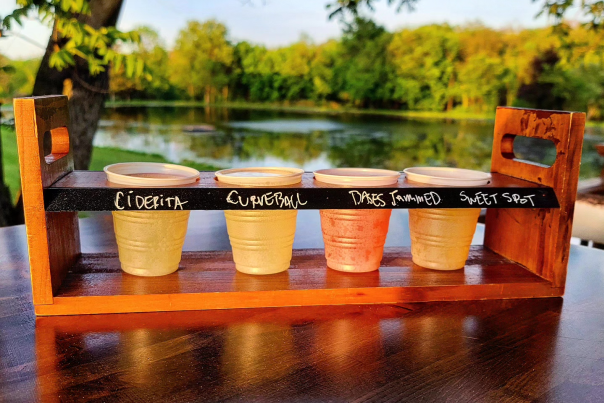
(140, 202)
(178, 203)
(429, 198)
(372, 199)
(149, 202)
(267, 199)
(117, 200)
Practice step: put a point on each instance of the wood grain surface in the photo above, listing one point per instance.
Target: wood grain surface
(539, 350)
(208, 280)
(539, 239)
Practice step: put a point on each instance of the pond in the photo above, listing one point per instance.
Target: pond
(310, 141)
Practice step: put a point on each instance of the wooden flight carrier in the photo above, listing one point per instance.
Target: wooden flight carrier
(525, 252)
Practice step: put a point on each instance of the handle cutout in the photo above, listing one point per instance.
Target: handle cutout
(55, 144)
(529, 150)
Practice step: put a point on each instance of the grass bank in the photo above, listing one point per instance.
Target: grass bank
(101, 157)
(453, 115)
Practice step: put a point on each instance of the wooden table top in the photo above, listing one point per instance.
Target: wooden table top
(516, 350)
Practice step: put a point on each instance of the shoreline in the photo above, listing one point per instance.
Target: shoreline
(101, 156)
(320, 110)
(457, 116)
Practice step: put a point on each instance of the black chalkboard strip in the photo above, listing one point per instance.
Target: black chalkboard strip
(89, 191)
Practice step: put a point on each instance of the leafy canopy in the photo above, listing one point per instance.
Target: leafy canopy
(75, 38)
(592, 10)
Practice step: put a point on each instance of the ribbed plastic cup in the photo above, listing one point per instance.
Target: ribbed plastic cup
(441, 238)
(262, 240)
(150, 242)
(354, 239)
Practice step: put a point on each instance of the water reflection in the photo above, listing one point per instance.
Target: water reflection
(263, 138)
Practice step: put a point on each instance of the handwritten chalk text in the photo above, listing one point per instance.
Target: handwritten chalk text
(277, 199)
(429, 198)
(484, 199)
(372, 199)
(147, 202)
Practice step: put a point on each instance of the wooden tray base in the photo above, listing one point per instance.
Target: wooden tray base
(208, 280)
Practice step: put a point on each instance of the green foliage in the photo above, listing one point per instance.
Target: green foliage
(592, 9)
(362, 70)
(341, 7)
(10, 159)
(149, 52)
(77, 39)
(466, 70)
(17, 77)
(201, 58)
(424, 60)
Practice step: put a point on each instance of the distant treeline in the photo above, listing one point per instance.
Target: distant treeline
(431, 68)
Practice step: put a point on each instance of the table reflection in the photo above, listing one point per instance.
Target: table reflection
(255, 352)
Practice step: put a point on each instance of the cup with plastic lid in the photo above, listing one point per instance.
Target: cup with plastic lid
(262, 240)
(150, 242)
(441, 238)
(354, 238)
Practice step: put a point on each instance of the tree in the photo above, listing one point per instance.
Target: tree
(76, 60)
(363, 68)
(201, 59)
(424, 61)
(481, 73)
(151, 50)
(19, 79)
(81, 49)
(322, 69)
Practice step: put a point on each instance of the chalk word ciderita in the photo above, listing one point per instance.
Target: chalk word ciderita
(147, 202)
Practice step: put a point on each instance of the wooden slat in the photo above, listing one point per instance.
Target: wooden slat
(208, 280)
(89, 191)
(539, 239)
(53, 238)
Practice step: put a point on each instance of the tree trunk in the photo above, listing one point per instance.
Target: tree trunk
(88, 92)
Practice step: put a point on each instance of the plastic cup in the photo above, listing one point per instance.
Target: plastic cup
(354, 239)
(150, 242)
(262, 240)
(441, 238)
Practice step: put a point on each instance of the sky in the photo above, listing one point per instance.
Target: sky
(279, 22)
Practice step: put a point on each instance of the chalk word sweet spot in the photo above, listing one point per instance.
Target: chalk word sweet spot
(147, 202)
(278, 199)
(484, 199)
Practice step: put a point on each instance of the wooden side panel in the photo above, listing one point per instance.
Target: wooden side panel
(539, 239)
(53, 238)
